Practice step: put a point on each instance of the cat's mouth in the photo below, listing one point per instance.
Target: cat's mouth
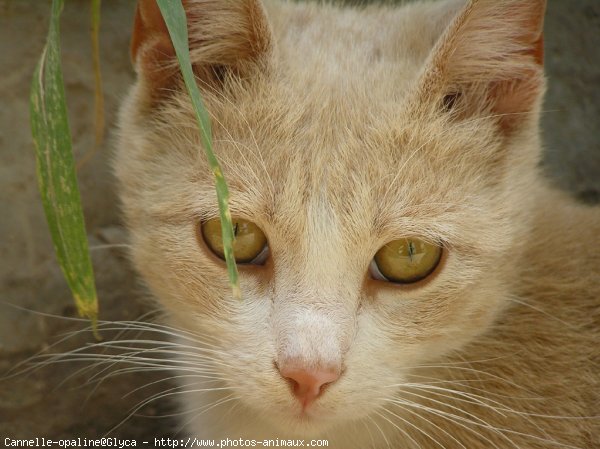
(314, 416)
(305, 416)
(307, 413)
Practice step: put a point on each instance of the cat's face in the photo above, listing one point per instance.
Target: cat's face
(333, 148)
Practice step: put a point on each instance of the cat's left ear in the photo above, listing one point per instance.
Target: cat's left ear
(489, 61)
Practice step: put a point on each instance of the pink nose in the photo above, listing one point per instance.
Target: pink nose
(308, 383)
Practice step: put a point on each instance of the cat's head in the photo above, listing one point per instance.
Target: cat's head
(339, 132)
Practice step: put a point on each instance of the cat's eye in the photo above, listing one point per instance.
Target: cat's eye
(249, 246)
(405, 261)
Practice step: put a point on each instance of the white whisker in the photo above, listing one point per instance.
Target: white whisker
(416, 428)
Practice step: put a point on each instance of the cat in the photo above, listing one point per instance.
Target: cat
(409, 277)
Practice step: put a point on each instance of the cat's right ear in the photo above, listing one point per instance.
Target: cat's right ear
(225, 36)
(489, 61)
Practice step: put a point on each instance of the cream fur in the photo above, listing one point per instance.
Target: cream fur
(329, 126)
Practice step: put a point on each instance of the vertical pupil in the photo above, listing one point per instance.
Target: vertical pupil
(411, 250)
(235, 229)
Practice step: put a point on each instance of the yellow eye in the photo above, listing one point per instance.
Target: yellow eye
(405, 261)
(249, 246)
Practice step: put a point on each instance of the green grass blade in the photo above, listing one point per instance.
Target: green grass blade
(175, 19)
(56, 172)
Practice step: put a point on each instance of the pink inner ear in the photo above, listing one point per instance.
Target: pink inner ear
(538, 50)
(148, 26)
(513, 98)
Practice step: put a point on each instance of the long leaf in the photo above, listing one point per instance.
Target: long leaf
(175, 19)
(56, 172)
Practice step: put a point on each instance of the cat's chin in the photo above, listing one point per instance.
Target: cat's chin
(247, 422)
(305, 423)
(303, 426)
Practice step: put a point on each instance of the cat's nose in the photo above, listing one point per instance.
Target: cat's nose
(308, 383)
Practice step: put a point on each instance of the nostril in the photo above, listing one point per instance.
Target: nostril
(308, 384)
(294, 384)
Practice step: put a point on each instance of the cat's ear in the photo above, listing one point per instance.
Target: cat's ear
(224, 36)
(489, 61)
